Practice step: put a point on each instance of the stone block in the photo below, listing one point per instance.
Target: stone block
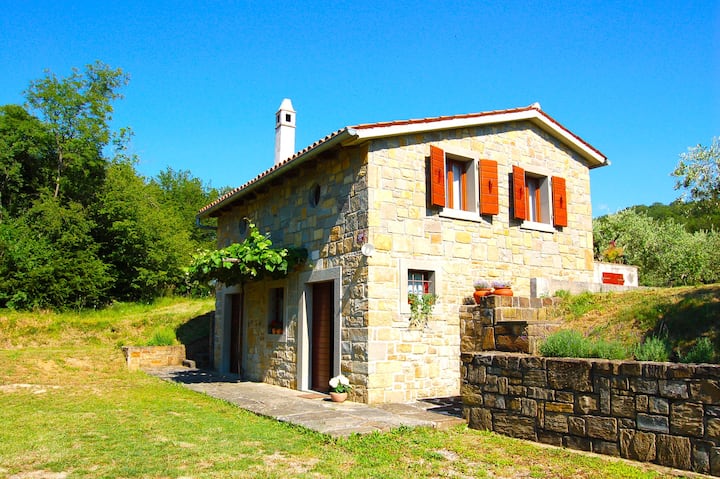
(494, 401)
(673, 451)
(715, 461)
(605, 447)
(552, 438)
(643, 386)
(579, 443)
(673, 389)
(556, 422)
(648, 422)
(686, 419)
(658, 405)
(602, 427)
(577, 426)
(514, 426)
(713, 429)
(541, 393)
(480, 418)
(571, 374)
(701, 456)
(559, 407)
(638, 446)
(706, 392)
(622, 406)
(631, 368)
(641, 403)
(586, 404)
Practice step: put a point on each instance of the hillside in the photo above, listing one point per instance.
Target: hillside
(683, 314)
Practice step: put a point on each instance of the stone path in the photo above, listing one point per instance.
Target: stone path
(314, 410)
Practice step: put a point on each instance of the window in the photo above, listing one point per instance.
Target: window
(539, 200)
(461, 184)
(276, 311)
(419, 282)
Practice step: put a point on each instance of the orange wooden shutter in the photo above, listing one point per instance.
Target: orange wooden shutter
(519, 201)
(559, 200)
(437, 176)
(489, 204)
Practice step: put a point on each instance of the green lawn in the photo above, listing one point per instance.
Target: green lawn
(68, 405)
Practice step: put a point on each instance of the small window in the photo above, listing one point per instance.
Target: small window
(539, 205)
(288, 118)
(314, 195)
(276, 311)
(419, 282)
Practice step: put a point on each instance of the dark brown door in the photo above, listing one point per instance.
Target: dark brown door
(321, 350)
(236, 334)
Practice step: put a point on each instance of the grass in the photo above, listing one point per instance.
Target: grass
(681, 315)
(69, 405)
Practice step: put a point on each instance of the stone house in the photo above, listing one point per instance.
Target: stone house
(388, 209)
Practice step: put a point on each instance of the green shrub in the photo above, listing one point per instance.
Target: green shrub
(163, 336)
(572, 344)
(566, 344)
(702, 352)
(653, 349)
(609, 350)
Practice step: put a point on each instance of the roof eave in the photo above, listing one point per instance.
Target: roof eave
(536, 116)
(343, 137)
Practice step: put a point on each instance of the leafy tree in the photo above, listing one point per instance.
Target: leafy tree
(48, 258)
(690, 214)
(186, 195)
(665, 252)
(77, 110)
(25, 159)
(143, 240)
(699, 173)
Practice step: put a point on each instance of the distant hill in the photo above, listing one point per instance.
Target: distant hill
(694, 216)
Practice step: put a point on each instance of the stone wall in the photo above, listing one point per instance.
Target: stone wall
(664, 413)
(145, 357)
(507, 323)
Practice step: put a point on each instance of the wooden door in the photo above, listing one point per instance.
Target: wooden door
(321, 348)
(236, 334)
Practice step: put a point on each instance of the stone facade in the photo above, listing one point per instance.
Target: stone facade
(376, 192)
(654, 412)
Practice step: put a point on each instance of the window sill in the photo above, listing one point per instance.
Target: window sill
(461, 215)
(535, 226)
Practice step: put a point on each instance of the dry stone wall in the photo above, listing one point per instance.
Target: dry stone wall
(663, 413)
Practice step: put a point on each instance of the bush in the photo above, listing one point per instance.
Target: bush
(572, 344)
(163, 336)
(566, 344)
(653, 349)
(702, 352)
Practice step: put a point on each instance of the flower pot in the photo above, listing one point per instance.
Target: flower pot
(338, 397)
(502, 292)
(479, 294)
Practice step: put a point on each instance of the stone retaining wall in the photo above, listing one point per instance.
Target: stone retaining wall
(144, 357)
(663, 413)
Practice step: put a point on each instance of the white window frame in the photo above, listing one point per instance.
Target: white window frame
(472, 184)
(545, 224)
(406, 265)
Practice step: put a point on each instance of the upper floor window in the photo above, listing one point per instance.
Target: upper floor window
(462, 184)
(419, 282)
(539, 200)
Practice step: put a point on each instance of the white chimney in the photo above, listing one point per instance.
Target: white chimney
(284, 132)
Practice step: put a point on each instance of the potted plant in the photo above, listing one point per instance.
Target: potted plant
(339, 387)
(502, 288)
(482, 289)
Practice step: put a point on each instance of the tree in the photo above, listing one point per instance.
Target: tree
(25, 159)
(77, 111)
(699, 173)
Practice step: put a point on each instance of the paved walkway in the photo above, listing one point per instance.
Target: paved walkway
(314, 410)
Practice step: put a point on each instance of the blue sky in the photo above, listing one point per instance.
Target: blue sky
(640, 81)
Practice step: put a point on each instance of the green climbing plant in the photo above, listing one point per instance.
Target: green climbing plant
(253, 259)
